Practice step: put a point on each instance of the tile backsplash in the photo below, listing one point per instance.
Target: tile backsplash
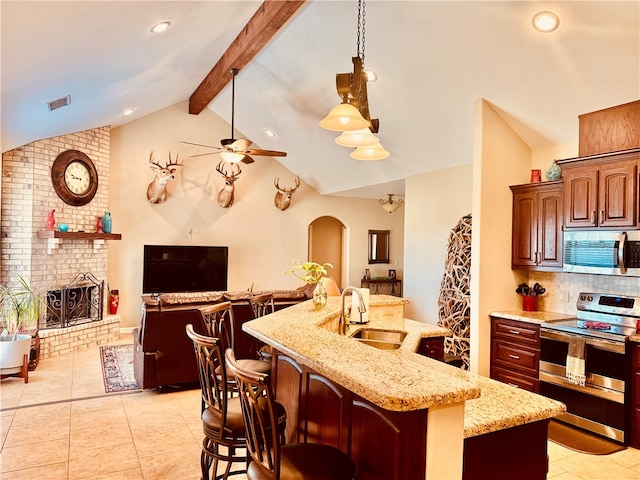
(563, 288)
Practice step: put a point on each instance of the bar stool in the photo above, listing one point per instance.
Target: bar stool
(222, 421)
(262, 304)
(269, 459)
(219, 321)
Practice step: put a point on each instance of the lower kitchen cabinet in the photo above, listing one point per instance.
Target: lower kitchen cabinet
(432, 348)
(515, 353)
(635, 398)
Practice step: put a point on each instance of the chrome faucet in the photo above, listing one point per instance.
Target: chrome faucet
(342, 322)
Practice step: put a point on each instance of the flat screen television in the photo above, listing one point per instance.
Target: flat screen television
(184, 268)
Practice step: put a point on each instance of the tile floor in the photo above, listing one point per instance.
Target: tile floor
(62, 425)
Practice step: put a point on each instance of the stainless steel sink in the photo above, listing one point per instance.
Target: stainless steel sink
(382, 339)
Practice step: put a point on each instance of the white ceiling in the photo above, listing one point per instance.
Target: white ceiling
(433, 60)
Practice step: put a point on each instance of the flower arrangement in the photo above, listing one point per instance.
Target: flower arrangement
(309, 272)
(526, 291)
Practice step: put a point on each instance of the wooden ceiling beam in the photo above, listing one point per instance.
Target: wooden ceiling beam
(260, 29)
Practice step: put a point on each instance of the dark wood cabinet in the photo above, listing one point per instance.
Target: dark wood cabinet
(601, 191)
(432, 348)
(384, 444)
(537, 226)
(515, 353)
(635, 397)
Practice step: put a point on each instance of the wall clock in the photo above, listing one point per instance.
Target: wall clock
(74, 177)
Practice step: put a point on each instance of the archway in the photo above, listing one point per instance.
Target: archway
(327, 244)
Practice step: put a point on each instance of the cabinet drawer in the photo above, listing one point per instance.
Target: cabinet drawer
(432, 348)
(517, 332)
(512, 356)
(515, 379)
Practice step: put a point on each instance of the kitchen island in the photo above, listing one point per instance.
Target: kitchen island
(400, 415)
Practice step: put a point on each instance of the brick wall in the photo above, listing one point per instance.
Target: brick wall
(27, 197)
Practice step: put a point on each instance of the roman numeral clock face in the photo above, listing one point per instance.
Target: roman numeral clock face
(74, 177)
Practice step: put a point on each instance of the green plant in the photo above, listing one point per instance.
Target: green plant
(19, 307)
(309, 272)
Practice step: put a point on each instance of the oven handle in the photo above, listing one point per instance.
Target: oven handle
(599, 343)
(600, 392)
(621, 246)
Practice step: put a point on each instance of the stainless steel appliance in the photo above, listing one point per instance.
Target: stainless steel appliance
(602, 405)
(605, 252)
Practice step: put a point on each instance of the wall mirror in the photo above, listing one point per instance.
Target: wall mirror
(378, 246)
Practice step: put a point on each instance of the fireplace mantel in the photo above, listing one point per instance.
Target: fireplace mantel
(54, 237)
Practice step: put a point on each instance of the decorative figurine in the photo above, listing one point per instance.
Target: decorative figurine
(51, 220)
(99, 224)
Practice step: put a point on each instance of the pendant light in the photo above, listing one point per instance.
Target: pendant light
(344, 117)
(357, 138)
(372, 152)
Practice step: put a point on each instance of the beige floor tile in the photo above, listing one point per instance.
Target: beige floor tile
(627, 458)
(162, 440)
(42, 413)
(55, 471)
(106, 434)
(596, 467)
(102, 461)
(183, 464)
(131, 474)
(557, 452)
(34, 455)
(57, 429)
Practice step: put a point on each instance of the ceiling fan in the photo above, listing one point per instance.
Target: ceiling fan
(236, 150)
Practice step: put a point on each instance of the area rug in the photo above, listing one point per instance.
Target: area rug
(117, 368)
(580, 440)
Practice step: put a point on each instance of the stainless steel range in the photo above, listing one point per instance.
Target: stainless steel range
(600, 332)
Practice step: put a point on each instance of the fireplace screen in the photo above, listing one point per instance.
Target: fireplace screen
(78, 302)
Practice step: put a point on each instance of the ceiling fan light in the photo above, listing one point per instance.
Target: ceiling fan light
(232, 157)
(344, 117)
(372, 152)
(357, 138)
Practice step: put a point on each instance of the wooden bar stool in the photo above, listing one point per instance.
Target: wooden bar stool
(261, 305)
(269, 459)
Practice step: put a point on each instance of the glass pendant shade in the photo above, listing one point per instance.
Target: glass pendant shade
(372, 152)
(232, 157)
(357, 138)
(343, 118)
(391, 207)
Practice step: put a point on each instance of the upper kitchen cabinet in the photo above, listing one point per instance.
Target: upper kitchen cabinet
(612, 129)
(537, 226)
(601, 190)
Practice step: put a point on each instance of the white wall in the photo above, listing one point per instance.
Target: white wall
(263, 241)
(435, 203)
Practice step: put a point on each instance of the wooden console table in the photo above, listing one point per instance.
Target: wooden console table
(394, 283)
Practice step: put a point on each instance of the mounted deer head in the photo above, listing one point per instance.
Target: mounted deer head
(157, 190)
(282, 199)
(225, 196)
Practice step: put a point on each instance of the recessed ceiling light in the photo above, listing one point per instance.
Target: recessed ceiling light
(270, 133)
(128, 112)
(160, 27)
(545, 21)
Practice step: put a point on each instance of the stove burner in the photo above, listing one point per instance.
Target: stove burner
(595, 325)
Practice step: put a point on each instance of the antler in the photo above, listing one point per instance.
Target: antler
(152, 161)
(222, 171)
(286, 190)
(172, 163)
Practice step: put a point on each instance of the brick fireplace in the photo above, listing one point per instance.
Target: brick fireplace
(27, 197)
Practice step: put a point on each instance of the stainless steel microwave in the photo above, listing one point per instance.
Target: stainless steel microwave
(602, 252)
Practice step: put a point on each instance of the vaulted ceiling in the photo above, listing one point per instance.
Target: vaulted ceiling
(433, 59)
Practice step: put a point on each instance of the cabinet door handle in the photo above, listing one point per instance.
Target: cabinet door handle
(515, 332)
(515, 357)
(601, 217)
(513, 385)
(593, 216)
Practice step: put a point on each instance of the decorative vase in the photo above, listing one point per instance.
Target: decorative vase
(319, 296)
(106, 222)
(536, 176)
(51, 220)
(529, 303)
(554, 172)
(114, 300)
(99, 224)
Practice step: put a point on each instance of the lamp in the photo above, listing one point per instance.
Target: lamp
(371, 152)
(389, 204)
(352, 89)
(357, 138)
(232, 157)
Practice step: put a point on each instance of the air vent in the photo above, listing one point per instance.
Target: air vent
(59, 103)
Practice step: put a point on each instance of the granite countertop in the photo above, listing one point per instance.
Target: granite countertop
(532, 317)
(399, 380)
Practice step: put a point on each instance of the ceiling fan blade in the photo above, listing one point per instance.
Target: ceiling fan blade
(239, 145)
(266, 153)
(203, 154)
(247, 159)
(225, 142)
(199, 144)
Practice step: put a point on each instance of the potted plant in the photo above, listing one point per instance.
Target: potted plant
(312, 273)
(19, 314)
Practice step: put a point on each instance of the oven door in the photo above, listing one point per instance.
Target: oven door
(600, 405)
